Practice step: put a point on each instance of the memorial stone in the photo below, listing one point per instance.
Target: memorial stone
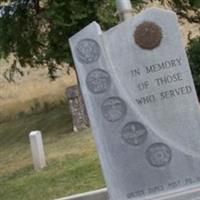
(142, 104)
(77, 108)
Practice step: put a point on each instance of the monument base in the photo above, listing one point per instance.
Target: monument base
(192, 193)
(102, 194)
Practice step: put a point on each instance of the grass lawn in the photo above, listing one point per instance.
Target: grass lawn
(73, 164)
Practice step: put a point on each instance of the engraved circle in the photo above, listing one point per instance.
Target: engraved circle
(134, 133)
(98, 81)
(88, 51)
(148, 35)
(114, 109)
(159, 155)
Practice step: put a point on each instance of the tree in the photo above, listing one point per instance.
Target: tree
(194, 57)
(36, 32)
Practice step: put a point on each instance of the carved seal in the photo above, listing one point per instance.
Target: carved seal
(148, 35)
(134, 133)
(88, 51)
(114, 109)
(159, 155)
(98, 81)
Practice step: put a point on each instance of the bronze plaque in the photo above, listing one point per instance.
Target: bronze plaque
(148, 35)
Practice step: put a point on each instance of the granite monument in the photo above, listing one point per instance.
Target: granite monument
(142, 104)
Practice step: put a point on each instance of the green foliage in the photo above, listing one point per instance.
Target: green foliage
(37, 33)
(194, 58)
(195, 3)
(19, 35)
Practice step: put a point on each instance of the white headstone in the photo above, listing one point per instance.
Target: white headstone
(37, 150)
(142, 105)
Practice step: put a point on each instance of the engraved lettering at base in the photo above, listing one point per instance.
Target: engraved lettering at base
(148, 35)
(134, 133)
(159, 155)
(114, 109)
(88, 51)
(98, 81)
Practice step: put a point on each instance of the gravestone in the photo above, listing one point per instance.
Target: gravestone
(77, 108)
(37, 150)
(142, 105)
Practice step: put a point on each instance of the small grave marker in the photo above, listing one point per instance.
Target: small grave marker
(37, 150)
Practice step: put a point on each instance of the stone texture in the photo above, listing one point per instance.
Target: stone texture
(142, 106)
(77, 108)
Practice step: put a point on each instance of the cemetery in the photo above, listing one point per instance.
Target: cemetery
(127, 125)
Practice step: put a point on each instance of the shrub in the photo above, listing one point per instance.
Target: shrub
(193, 51)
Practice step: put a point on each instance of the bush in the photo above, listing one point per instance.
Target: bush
(193, 51)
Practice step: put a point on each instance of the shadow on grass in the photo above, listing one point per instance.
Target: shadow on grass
(17, 130)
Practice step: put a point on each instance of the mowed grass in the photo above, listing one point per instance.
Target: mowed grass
(72, 162)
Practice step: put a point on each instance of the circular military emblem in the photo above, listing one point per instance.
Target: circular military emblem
(134, 133)
(114, 109)
(88, 51)
(98, 81)
(159, 155)
(148, 35)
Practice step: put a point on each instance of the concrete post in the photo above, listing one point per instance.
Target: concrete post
(124, 8)
(37, 150)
